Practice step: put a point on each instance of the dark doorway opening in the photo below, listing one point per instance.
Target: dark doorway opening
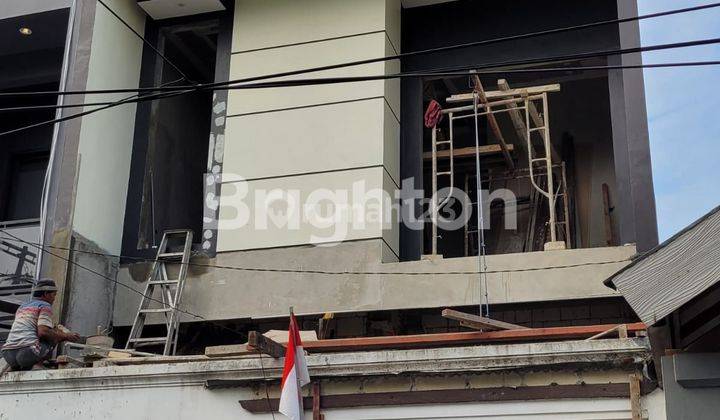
(178, 132)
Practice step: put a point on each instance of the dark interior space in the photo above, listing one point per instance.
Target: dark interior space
(31, 53)
(579, 120)
(24, 156)
(177, 133)
(195, 336)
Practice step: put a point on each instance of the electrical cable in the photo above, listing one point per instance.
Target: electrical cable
(339, 273)
(336, 80)
(310, 82)
(180, 90)
(482, 263)
(401, 55)
(146, 42)
(130, 99)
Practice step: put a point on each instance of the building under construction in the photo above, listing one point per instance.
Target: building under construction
(477, 204)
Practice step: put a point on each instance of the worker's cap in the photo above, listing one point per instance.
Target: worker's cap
(46, 285)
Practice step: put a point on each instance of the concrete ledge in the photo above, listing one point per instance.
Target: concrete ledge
(486, 358)
(514, 278)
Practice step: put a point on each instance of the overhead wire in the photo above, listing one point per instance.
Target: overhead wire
(458, 71)
(183, 90)
(339, 272)
(396, 56)
(119, 283)
(335, 80)
(145, 41)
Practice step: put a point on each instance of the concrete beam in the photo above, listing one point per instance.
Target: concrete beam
(485, 358)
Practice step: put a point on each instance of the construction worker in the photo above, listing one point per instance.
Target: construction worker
(33, 336)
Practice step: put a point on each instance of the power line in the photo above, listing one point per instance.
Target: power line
(336, 272)
(41, 248)
(214, 86)
(130, 99)
(145, 41)
(337, 80)
(389, 57)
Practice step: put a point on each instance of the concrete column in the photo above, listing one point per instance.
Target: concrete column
(635, 208)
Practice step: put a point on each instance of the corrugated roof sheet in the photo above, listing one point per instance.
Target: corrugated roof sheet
(671, 274)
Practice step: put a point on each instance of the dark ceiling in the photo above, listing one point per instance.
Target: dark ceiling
(48, 32)
(36, 58)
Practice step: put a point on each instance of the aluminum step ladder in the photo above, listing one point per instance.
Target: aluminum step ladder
(175, 249)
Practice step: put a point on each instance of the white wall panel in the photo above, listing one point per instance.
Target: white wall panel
(316, 54)
(106, 137)
(263, 24)
(323, 138)
(260, 232)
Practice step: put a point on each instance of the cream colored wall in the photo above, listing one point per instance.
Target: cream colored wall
(261, 234)
(266, 24)
(322, 138)
(106, 136)
(316, 54)
(312, 137)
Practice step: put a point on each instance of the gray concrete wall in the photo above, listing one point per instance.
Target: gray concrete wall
(179, 390)
(90, 301)
(215, 293)
(692, 386)
(636, 212)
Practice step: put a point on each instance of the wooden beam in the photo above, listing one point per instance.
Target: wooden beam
(435, 340)
(317, 415)
(517, 120)
(534, 116)
(492, 122)
(635, 407)
(447, 396)
(494, 94)
(465, 152)
(607, 207)
(621, 330)
(461, 338)
(479, 322)
(229, 350)
(265, 345)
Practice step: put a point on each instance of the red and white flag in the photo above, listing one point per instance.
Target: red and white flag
(295, 375)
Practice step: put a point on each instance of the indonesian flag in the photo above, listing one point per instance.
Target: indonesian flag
(295, 375)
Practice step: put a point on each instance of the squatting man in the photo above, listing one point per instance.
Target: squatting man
(33, 335)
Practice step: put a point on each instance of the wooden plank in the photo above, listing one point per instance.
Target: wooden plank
(517, 119)
(607, 206)
(492, 122)
(461, 338)
(479, 322)
(229, 350)
(446, 396)
(317, 415)
(620, 329)
(495, 94)
(265, 345)
(465, 152)
(118, 355)
(635, 407)
(167, 359)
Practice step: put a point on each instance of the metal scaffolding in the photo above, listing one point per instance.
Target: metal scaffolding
(527, 108)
